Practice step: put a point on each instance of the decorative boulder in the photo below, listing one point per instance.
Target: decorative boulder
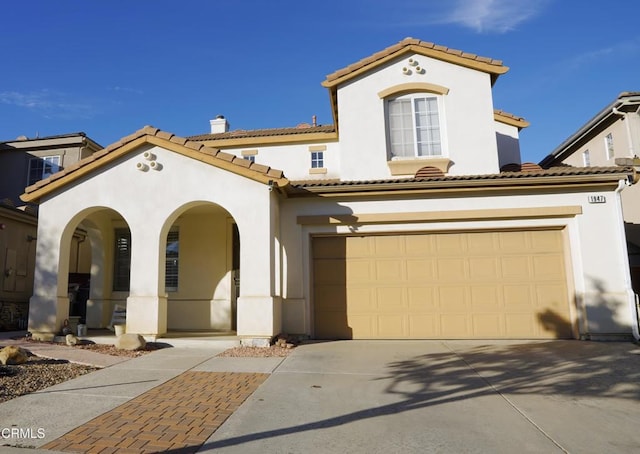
(71, 340)
(130, 341)
(11, 355)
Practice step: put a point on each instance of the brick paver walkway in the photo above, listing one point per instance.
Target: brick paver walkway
(180, 414)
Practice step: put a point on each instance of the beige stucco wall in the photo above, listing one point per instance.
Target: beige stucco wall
(203, 300)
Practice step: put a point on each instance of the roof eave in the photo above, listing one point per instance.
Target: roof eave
(609, 180)
(34, 193)
(493, 69)
(573, 142)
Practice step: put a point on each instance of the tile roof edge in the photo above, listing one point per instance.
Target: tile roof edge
(148, 131)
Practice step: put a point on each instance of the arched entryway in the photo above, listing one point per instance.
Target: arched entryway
(201, 268)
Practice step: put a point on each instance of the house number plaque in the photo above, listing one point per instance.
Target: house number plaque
(597, 199)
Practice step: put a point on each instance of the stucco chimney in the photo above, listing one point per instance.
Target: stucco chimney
(219, 124)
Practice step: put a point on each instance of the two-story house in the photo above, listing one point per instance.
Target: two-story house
(23, 162)
(611, 137)
(394, 222)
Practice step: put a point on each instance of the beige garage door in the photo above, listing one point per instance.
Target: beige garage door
(508, 284)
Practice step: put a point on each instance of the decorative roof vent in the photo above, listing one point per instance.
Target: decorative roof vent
(524, 167)
(429, 171)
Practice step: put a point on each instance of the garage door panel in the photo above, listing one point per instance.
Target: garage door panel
(486, 298)
(546, 241)
(419, 246)
(330, 271)
(388, 246)
(361, 300)
(389, 270)
(488, 325)
(484, 268)
(334, 297)
(482, 243)
(443, 285)
(520, 325)
(454, 326)
(424, 326)
(517, 296)
(451, 269)
(391, 299)
(421, 270)
(332, 325)
(359, 247)
(452, 299)
(450, 244)
(514, 242)
(362, 326)
(329, 247)
(547, 267)
(516, 268)
(360, 271)
(391, 326)
(421, 300)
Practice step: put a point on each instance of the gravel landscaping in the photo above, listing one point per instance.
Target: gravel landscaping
(39, 373)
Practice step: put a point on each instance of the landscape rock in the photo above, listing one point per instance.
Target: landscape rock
(12, 355)
(71, 340)
(130, 341)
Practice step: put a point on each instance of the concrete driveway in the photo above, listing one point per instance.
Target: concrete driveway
(451, 396)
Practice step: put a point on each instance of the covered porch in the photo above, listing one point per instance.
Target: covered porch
(169, 242)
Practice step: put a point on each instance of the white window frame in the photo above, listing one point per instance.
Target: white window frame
(586, 158)
(317, 159)
(608, 146)
(440, 143)
(250, 158)
(44, 167)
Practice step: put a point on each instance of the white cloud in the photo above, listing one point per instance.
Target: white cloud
(48, 103)
(497, 16)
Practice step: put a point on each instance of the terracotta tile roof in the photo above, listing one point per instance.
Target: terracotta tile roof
(509, 118)
(417, 45)
(522, 175)
(150, 131)
(242, 133)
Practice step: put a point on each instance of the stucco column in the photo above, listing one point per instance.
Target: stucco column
(146, 307)
(49, 305)
(259, 309)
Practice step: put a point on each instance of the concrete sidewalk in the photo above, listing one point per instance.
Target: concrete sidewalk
(351, 396)
(47, 415)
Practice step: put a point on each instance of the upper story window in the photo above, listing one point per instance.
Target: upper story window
(608, 146)
(586, 158)
(414, 126)
(41, 168)
(317, 159)
(249, 155)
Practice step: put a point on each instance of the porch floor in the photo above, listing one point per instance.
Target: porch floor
(196, 339)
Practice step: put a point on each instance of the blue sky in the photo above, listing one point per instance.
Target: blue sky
(110, 67)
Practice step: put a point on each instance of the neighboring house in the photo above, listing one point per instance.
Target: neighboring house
(24, 162)
(18, 228)
(612, 137)
(395, 222)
